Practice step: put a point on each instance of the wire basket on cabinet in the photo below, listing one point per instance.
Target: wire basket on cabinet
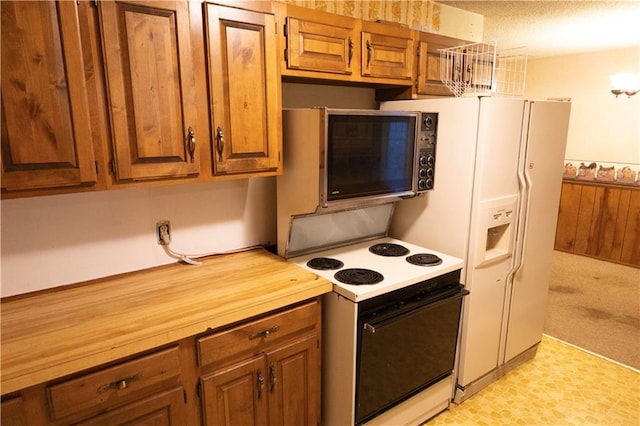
(479, 69)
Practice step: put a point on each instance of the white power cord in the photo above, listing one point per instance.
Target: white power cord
(190, 258)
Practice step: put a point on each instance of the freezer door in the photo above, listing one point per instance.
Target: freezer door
(496, 191)
(545, 136)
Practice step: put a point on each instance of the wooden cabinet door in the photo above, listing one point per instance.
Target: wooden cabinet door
(150, 79)
(46, 134)
(428, 80)
(244, 81)
(319, 46)
(236, 395)
(12, 413)
(294, 383)
(387, 51)
(163, 409)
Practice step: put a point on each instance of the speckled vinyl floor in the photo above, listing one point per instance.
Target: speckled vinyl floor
(562, 385)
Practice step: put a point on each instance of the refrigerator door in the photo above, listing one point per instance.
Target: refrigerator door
(496, 192)
(545, 136)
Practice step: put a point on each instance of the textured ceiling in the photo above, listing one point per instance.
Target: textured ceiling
(551, 28)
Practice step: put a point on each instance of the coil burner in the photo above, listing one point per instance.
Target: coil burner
(424, 259)
(389, 250)
(325, 263)
(358, 276)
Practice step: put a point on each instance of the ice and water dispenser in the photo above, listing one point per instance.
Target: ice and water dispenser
(495, 240)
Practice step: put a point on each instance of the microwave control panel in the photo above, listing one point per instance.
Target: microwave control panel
(426, 167)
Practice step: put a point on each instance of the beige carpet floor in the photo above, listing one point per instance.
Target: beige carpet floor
(595, 305)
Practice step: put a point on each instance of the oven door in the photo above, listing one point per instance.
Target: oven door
(404, 348)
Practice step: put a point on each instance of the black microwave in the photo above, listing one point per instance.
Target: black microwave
(372, 154)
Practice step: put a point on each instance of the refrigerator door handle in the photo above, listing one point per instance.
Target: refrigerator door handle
(522, 223)
(525, 184)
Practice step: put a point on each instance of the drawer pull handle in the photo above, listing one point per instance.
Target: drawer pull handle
(118, 384)
(264, 333)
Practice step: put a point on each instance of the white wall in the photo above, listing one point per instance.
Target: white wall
(603, 128)
(64, 239)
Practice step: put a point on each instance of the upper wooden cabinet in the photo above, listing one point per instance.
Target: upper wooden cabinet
(427, 69)
(151, 92)
(387, 51)
(46, 132)
(244, 84)
(320, 45)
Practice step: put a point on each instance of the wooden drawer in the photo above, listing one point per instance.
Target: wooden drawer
(114, 385)
(252, 336)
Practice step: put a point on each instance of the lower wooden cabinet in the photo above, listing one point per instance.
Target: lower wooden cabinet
(164, 408)
(601, 221)
(294, 379)
(12, 412)
(236, 395)
(262, 371)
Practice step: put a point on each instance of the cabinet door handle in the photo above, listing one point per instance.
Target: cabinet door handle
(220, 142)
(369, 51)
(260, 383)
(191, 143)
(264, 333)
(350, 51)
(272, 377)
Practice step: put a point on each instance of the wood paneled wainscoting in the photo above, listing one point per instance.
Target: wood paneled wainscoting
(600, 220)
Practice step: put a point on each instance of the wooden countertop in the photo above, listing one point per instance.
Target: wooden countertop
(53, 334)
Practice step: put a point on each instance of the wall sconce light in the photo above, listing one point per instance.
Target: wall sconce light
(626, 83)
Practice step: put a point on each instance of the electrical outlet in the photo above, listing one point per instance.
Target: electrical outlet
(163, 228)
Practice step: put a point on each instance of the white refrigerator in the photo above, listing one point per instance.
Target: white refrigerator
(498, 175)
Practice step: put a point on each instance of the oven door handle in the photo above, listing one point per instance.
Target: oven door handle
(372, 326)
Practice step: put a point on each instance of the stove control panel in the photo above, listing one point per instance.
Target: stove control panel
(426, 158)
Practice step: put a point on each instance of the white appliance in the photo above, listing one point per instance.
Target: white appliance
(495, 205)
(397, 272)
(390, 327)
(389, 347)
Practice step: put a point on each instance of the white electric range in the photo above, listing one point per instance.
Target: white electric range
(390, 325)
(391, 270)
